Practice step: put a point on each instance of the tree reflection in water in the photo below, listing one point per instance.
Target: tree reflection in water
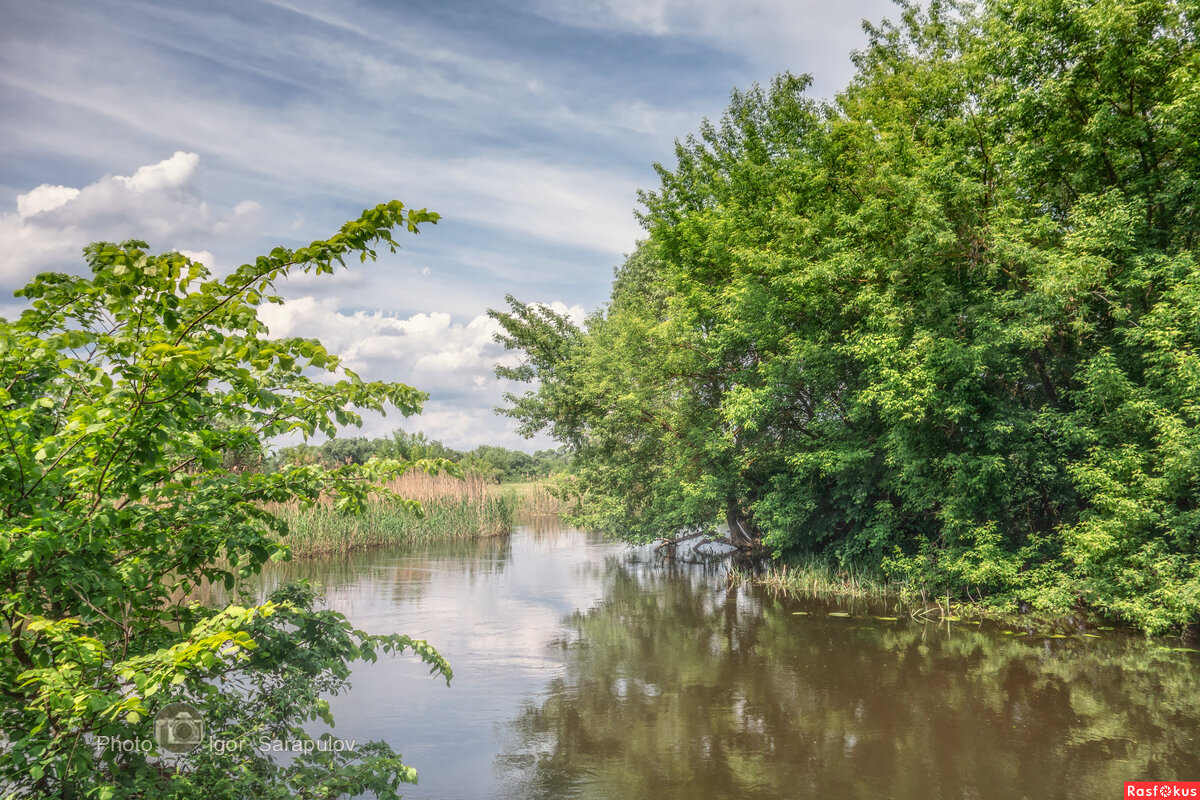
(676, 687)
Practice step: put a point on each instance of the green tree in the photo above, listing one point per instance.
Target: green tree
(944, 324)
(122, 397)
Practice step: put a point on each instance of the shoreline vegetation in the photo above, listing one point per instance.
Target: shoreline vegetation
(860, 597)
(943, 324)
(454, 508)
(467, 508)
(817, 578)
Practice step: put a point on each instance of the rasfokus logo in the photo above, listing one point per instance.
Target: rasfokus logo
(1162, 789)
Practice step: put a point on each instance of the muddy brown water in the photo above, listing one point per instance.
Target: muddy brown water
(589, 669)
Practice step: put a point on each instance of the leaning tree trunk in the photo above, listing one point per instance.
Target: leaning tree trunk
(742, 531)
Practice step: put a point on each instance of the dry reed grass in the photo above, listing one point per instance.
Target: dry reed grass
(454, 509)
(539, 501)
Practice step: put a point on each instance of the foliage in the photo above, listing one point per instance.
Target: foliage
(946, 323)
(122, 397)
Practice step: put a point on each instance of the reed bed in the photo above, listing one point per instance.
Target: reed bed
(539, 501)
(534, 498)
(818, 576)
(454, 509)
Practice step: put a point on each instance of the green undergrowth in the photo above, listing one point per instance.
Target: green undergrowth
(816, 575)
(819, 577)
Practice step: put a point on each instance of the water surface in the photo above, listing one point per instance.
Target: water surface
(588, 669)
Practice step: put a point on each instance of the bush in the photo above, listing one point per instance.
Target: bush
(124, 397)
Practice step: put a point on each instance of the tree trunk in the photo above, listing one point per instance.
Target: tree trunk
(742, 531)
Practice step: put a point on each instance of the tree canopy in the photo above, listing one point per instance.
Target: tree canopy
(946, 324)
(123, 395)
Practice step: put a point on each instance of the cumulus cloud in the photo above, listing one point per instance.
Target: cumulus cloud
(176, 171)
(44, 198)
(451, 360)
(158, 203)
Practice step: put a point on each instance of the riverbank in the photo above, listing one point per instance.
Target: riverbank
(583, 664)
(816, 577)
(453, 509)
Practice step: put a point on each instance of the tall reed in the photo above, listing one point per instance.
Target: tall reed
(538, 500)
(454, 509)
(815, 575)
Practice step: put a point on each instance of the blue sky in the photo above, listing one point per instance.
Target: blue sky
(223, 128)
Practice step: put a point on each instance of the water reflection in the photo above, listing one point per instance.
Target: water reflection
(676, 687)
(592, 670)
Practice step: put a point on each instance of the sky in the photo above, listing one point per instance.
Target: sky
(223, 128)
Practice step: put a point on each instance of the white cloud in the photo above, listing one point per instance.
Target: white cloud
(641, 117)
(453, 361)
(157, 203)
(44, 198)
(173, 173)
(541, 198)
(552, 202)
(429, 350)
(199, 256)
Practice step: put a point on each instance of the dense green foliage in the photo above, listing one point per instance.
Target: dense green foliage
(123, 397)
(947, 324)
(489, 461)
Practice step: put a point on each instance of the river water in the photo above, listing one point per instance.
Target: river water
(589, 669)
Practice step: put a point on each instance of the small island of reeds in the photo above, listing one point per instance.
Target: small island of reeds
(454, 508)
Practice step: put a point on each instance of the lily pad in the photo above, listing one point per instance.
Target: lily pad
(799, 613)
(888, 619)
(838, 614)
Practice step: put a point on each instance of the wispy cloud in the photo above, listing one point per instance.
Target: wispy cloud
(528, 126)
(801, 35)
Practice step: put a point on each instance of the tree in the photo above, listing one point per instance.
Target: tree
(122, 396)
(943, 325)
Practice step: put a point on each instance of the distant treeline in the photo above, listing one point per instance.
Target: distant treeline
(498, 464)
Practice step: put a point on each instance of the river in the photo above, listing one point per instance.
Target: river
(589, 669)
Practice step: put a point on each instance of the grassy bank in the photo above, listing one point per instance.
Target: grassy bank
(454, 509)
(815, 577)
(819, 576)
